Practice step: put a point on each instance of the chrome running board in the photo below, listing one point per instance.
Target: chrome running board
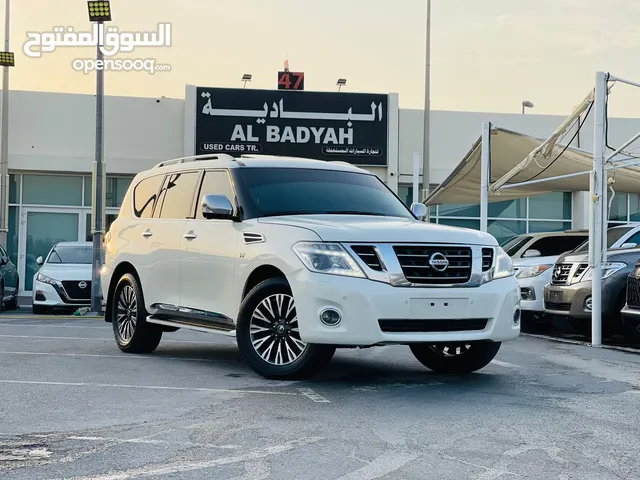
(183, 324)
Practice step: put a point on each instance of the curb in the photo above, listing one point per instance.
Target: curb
(635, 351)
(52, 317)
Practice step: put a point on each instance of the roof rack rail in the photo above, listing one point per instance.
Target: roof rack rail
(195, 158)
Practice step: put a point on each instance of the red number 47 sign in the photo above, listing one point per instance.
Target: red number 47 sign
(290, 80)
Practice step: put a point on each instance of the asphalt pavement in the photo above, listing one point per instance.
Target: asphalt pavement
(72, 406)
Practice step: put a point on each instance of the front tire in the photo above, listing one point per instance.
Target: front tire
(269, 338)
(129, 318)
(455, 357)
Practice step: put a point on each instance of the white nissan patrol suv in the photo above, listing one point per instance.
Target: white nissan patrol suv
(295, 258)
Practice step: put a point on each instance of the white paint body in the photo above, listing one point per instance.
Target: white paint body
(210, 272)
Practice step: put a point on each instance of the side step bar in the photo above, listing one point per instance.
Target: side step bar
(179, 323)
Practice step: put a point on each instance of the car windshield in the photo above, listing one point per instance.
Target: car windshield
(613, 235)
(511, 246)
(299, 191)
(68, 254)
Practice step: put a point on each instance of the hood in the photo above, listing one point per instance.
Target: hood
(626, 255)
(360, 228)
(67, 271)
(528, 262)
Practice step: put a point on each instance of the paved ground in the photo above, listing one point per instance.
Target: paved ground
(72, 406)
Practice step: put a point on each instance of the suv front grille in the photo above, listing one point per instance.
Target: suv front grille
(415, 261)
(487, 259)
(561, 272)
(369, 256)
(633, 291)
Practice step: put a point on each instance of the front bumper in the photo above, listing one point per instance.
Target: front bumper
(532, 293)
(569, 300)
(48, 295)
(376, 313)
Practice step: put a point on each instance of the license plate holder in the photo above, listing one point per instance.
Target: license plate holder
(555, 296)
(439, 308)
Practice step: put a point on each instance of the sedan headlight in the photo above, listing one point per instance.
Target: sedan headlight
(44, 279)
(330, 258)
(608, 269)
(533, 271)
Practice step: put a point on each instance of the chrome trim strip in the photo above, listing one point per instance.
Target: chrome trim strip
(168, 323)
(252, 237)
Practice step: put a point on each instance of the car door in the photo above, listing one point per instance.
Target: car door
(159, 261)
(210, 247)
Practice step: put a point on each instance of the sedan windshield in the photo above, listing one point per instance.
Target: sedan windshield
(68, 254)
(289, 191)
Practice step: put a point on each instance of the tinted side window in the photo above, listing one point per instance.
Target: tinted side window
(145, 196)
(215, 183)
(557, 245)
(635, 238)
(177, 195)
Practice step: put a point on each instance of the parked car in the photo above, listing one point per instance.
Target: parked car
(9, 282)
(569, 293)
(297, 257)
(533, 257)
(631, 310)
(64, 278)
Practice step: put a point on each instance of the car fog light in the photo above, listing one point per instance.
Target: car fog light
(516, 316)
(588, 304)
(330, 317)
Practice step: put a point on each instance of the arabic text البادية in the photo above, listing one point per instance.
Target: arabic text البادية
(279, 112)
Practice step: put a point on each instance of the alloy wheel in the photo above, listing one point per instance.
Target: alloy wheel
(126, 313)
(274, 331)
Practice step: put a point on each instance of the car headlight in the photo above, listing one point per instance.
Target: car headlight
(330, 258)
(44, 279)
(503, 267)
(608, 269)
(533, 271)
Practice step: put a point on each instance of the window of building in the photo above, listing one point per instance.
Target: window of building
(177, 194)
(51, 190)
(540, 213)
(145, 196)
(116, 190)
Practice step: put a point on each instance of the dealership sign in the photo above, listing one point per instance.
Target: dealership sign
(350, 127)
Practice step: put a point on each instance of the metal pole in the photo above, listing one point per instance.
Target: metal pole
(596, 228)
(484, 176)
(427, 112)
(416, 177)
(4, 160)
(96, 303)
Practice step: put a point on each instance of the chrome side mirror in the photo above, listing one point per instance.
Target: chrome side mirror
(40, 260)
(531, 253)
(216, 206)
(419, 210)
(628, 245)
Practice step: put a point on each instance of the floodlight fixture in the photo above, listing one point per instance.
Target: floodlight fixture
(526, 104)
(99, 11)
(7, 59)
(341, 83)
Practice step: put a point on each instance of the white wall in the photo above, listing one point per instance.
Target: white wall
(56, 131)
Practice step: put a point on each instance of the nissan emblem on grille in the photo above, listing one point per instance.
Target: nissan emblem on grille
(82, 284)
(556, 272)
(438, 262)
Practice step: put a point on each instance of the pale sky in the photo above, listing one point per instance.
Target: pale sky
(486, 55)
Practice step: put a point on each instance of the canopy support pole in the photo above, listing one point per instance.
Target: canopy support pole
(484, 176)
(597, 218)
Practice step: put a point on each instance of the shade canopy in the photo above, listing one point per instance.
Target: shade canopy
(511, 153)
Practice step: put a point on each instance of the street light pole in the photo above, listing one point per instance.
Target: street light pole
(427, 112)
(96, 301)
(99, 12)
(4, 154)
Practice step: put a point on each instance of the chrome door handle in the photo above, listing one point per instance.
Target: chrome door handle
(147, 233)
(190, 236)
